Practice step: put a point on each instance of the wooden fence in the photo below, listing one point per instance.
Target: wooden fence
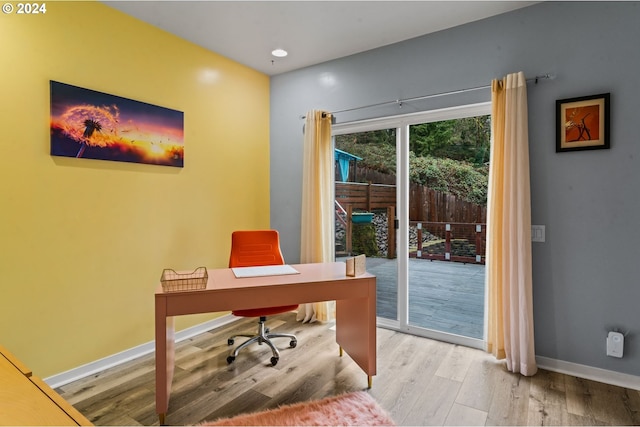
(425, 204)
(362, 196)
(456, 228)
(430, 205)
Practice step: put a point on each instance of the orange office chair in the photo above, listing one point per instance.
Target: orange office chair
(256, 248)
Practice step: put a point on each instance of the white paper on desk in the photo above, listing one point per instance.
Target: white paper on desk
(263, 270)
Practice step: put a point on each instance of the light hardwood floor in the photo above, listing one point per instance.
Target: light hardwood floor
(419, 382)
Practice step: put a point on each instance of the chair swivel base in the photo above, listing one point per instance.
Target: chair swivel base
(264, 336)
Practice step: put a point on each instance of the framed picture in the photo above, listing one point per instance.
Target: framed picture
(96, 125)
(582, 123)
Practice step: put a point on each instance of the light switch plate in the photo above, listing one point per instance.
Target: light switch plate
(538, 233)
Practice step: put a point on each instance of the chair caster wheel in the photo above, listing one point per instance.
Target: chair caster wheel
(230, 341)
(230, 359)
(274, 361)
(293, 343)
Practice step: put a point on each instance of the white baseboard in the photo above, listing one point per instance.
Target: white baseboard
(91, 368)
(589, 372)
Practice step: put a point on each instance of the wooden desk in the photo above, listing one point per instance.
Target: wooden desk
(27, 400)
(355, 310)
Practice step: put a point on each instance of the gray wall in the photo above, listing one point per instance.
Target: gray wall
(586, 276)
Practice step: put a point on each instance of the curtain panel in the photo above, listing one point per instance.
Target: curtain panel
(316, 234)
(509, 278)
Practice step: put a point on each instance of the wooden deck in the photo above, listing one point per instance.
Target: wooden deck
(443, 296)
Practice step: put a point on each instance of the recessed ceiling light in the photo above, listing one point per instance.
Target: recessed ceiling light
(280, 53)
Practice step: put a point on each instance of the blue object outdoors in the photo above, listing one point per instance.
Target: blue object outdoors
(343, 158)
(361, 217)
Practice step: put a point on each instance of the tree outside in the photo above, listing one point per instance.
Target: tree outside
(450, 156)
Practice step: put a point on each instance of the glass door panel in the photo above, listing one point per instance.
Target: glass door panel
(448, 170)
(365, 209)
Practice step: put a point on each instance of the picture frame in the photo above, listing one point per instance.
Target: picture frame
(88, 124)
(583, 123)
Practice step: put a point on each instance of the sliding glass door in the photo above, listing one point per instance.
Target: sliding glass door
(428, 261)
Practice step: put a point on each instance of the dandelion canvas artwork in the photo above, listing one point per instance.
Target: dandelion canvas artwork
(95, 125)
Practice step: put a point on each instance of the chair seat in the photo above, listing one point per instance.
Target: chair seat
(267, 311)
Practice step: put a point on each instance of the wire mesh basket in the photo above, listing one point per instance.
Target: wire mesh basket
(175, 282)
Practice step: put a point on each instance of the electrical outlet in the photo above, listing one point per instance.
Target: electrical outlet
(615, 344)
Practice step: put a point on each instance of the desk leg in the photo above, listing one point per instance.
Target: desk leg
(165, 339)
(356, 329)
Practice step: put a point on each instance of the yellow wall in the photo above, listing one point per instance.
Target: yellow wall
(83, 242)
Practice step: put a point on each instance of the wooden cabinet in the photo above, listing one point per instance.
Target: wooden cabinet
(27, 400)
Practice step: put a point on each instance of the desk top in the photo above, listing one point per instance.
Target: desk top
(224, 279)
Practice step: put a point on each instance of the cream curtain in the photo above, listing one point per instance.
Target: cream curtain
(317, 205)
(510, 302)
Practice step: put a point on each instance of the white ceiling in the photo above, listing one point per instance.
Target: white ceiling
(311, 31)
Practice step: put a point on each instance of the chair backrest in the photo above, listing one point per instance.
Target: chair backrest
(255, 247)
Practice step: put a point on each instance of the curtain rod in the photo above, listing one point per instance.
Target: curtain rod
(399, 102)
